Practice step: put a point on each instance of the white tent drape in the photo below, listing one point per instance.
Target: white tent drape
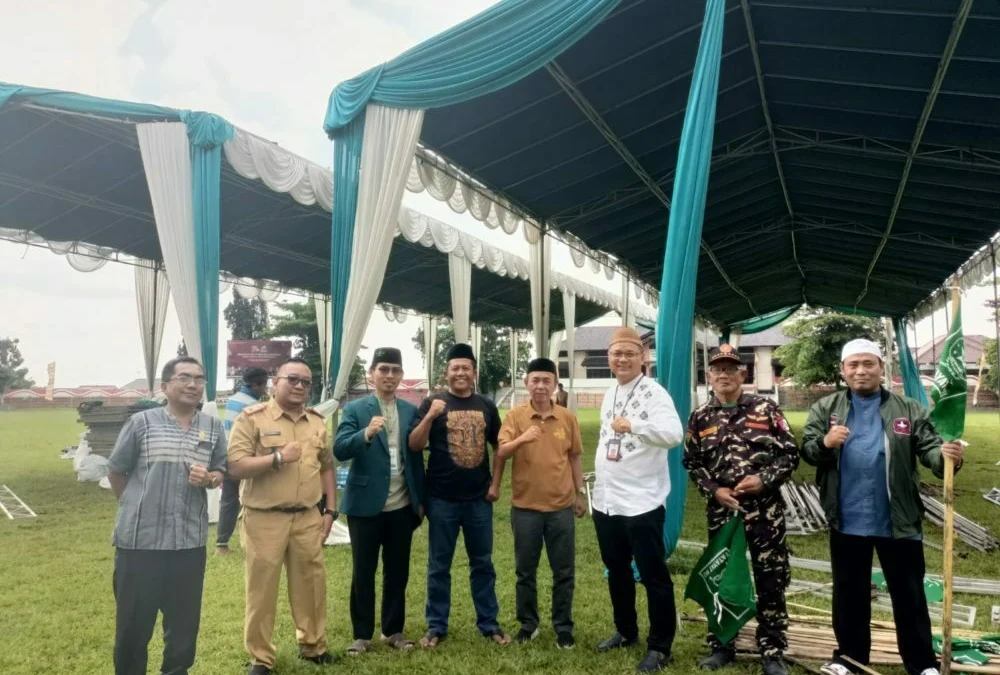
(541, 293)
(166, 158)
(513, 365)
(628, 304)
(390, 140)
(430, 349)
(569, 317)
(477, 347)
(324, 323)
(460, 276)
(555, 343)
(152, 295)
(734, 338)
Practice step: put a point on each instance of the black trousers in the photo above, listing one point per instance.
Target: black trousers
(622, 539)
(229, 511)
(148, 582)
(391, 531)
(557, 531)
(902, 563)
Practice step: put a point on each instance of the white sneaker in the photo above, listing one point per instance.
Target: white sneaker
(930, 671)
(834, 668)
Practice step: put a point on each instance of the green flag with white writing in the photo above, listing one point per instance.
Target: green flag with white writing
(721, 582)
(950, 388)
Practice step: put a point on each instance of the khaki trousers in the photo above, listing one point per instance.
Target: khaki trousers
(271, 539)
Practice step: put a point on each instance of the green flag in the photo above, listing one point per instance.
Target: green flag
(933, 590)
(721, 584)
(950, 388)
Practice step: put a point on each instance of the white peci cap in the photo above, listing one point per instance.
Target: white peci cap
(860, 346)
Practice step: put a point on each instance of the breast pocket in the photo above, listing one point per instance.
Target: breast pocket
(309, 462)
(270, 443)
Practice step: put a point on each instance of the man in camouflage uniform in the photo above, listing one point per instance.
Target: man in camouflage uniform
(739, 450)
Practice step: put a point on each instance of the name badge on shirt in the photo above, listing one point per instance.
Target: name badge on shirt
(393, 463)
(614, 447)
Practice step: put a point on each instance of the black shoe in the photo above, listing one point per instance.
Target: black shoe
(616, 641)
(324, 659)
(259, 669)
(524, 635)
(564, 640)
(773, 665)
(653, 661)
(719, 658)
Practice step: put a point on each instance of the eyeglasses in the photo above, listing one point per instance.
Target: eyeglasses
(624, 355)
(728, 370)
(389, 370)
(186, 379)
(295, 380)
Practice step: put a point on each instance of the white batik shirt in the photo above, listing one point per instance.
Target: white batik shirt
(640, 481)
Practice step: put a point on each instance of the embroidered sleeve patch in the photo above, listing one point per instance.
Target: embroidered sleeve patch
(901, 426)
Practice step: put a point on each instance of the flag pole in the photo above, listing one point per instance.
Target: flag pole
(949, 537)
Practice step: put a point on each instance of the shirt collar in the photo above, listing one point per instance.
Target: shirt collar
(275, 411)
(534, 413)
(716, 403)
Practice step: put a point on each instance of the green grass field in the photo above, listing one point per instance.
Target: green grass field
(57, 610)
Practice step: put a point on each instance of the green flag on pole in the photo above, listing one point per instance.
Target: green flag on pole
(721, 583)
(950, 388)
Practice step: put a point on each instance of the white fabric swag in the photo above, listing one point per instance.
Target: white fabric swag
(460, 278)
(166, 159)
(569, 317)
(430, 349)
(152, 294)
(390, 139)
(555, 345)
(541, 266)
(477, 347)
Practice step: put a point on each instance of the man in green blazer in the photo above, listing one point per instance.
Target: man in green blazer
(383, 500)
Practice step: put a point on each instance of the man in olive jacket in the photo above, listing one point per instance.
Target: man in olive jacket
(865, 443)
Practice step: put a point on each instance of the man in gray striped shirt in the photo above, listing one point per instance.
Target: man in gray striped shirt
(164, 460)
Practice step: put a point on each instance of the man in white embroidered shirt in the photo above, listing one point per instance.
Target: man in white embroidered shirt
(638, 425)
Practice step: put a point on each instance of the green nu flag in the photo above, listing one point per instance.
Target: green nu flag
(950, 388)
(721, 584)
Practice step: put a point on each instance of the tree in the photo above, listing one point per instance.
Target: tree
(298, 321)
(493, 359)
(813, 356)
(247, 319)
(992, 376)
(12, 373)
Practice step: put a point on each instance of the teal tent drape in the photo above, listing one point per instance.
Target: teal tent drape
(94, 105)
(908, 365)
(680, 264)
(490, 51)
(843, 309)
(206, 134)
(347, 143)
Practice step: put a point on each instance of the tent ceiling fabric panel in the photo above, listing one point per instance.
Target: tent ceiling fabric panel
(67, 177)
(845, 83)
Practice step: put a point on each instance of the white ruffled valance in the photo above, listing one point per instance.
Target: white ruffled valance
(282, 171)
(81, 256)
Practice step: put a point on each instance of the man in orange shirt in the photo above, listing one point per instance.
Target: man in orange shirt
(547, 481)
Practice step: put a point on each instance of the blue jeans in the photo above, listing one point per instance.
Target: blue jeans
(475, 519)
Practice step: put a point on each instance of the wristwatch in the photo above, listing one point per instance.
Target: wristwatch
(278, 460)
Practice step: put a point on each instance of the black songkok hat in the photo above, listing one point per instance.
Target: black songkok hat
(461, 351)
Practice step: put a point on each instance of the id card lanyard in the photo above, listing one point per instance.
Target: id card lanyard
(614, 444)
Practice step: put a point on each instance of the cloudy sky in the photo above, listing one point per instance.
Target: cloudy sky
(268, 67)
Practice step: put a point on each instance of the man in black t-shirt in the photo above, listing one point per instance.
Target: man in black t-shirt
(456, 426)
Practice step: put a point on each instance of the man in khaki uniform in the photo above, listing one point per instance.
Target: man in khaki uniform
(279, 450)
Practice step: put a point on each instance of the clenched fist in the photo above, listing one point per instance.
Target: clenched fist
(436, 409)
(532, 433)
(198, 476)
(375, 426)
(291, 452)
(621, 425)
(836, 436)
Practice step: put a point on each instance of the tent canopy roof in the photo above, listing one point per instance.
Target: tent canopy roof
(73, 176)
(848, 85)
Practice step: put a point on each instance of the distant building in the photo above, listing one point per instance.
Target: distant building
(412, 390)
(63, 397)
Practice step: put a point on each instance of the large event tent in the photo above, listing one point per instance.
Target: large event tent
(836, 153)
(211, 204)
